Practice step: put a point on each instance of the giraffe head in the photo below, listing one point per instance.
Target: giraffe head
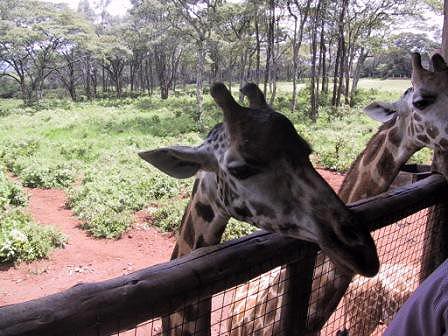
(420, 114)
(261, 169)
(430, 101)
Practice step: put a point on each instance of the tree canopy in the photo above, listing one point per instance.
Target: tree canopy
(161, 45)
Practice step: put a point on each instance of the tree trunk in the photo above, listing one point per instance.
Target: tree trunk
(294, 64)
(336, 73)
(199, 80)
(103, 77)
(270, 44)
(323, 52)
(445, 31)
(348, 70)
(274, 67)
(257, 48)
(357, 73)
(313, 97)
(340, 56)
(341, 71)
(243, 78)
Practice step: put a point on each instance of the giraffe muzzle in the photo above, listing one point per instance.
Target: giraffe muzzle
(354, 248)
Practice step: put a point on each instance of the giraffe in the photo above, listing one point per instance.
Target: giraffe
(255, 167)
(415, 121)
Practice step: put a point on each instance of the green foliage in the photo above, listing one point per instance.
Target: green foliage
(236, 229)
(111, 192)
(41, 175)
(11, 195)
(168, 215)
(91, 150)
(23, 240)
(20, 238)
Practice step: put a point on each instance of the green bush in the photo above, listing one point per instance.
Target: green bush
(168, 215)
(20, 238)
(10, 194)
(236, 229)
(111, 192)
(23, 240)
(40, 175)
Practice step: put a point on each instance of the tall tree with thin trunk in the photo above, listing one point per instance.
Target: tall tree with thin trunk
(198, 17)
(445, 30)
(314, 89)
(299, 12)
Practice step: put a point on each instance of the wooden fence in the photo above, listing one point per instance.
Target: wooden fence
(107, 307)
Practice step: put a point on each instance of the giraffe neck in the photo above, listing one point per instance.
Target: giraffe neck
(376, 167)
(203, 222)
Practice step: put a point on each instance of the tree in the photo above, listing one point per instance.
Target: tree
(198, 19)
(114, 55)
(31, 35)
(299, 12)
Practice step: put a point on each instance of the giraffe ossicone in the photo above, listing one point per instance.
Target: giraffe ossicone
(256, 168)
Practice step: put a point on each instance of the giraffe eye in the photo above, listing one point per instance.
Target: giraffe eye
(423, 102)
(243, 172)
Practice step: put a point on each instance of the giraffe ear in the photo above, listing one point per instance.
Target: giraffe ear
(180, 161)
(381, 111)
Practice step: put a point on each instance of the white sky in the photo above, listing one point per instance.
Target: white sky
(116, 7)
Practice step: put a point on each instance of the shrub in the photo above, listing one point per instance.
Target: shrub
(11, 195)
(40, 175)
(168, 215)
(111, 192)
(23, 240)
(236, 229)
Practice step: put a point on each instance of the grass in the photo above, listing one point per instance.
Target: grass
(90, 150)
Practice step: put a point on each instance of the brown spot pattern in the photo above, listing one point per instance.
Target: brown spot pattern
(394, 136)
(386, 163)
(423, 138)
(263, 210)
(373, 148)
(243, 211)
(417, 117)
(432, 131)
(205, 211)
(444, 143)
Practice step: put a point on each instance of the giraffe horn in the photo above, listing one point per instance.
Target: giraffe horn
(224, 99)
(417, 69)
(438, 63)
(416, 62)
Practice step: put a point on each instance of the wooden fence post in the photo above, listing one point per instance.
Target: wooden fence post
(298, 288)
(435, 249)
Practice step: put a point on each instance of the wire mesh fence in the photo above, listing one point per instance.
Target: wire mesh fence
(255, 307)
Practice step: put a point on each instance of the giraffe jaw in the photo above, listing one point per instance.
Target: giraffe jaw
(358, 258)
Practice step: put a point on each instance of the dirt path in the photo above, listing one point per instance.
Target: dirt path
(85, 259)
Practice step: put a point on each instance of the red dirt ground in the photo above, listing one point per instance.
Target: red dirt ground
(85, 259)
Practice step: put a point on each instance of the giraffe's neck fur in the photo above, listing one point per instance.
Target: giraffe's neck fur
(376, 167)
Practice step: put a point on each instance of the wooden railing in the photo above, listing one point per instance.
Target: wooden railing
(121, 303)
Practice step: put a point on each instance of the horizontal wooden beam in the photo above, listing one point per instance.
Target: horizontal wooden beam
(395, 204)
(121, 303)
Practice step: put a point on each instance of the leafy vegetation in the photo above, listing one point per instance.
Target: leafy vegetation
(20, 238)
(90, 149)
